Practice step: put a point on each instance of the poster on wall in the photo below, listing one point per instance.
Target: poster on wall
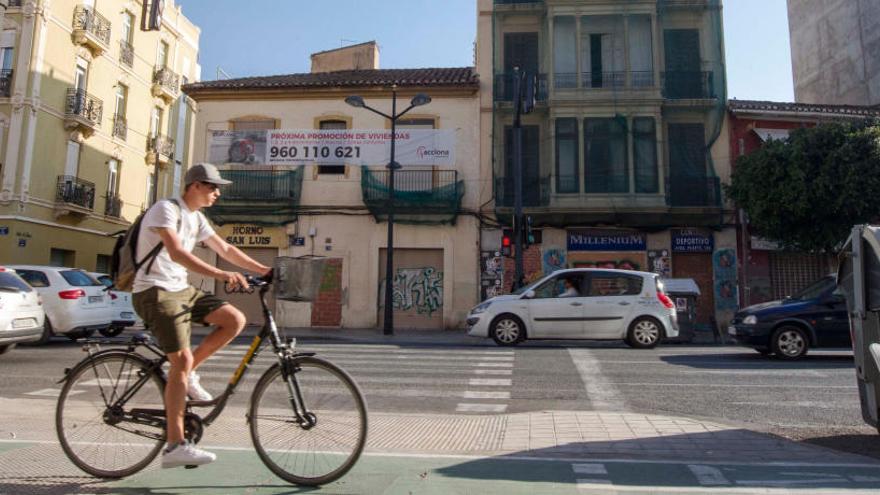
(332, 147)
(491, 274)
(659, 262)
(726, 293)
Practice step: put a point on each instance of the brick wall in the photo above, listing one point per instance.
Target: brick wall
(327, 307)
(531, 266)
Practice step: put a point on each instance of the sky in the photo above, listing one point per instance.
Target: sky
(271, 37)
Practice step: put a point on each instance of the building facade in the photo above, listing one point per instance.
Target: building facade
(767, 272)
(93, 126)
(625, 151)
(339, 211)
(835, 51)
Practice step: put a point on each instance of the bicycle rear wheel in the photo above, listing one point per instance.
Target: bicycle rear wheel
(99, 439)
(326, 449)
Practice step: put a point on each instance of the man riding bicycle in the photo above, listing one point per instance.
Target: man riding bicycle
(168, 304)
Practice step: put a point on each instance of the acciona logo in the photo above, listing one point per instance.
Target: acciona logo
(424, 152)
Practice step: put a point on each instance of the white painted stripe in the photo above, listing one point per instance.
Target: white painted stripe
(708, 475)
(380, 350)
(493, 372)
(589, 485)
(494, 365)
(603, 395)
(591, 468)
(51, 392)
(473, 394)
(496, 408)
(385, 357)
(490, 382)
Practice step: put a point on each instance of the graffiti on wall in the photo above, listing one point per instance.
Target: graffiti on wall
(491, 275)
(553, 259)
(724, 266)
(419, 289)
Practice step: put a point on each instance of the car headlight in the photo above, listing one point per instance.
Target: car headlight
(750, 320)
(480, 308)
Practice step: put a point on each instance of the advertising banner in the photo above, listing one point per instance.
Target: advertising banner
(605, 240)
(333, 147)
(692, 241)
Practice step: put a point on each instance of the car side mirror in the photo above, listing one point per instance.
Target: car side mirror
(529, 295)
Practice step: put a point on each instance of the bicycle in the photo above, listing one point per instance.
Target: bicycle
(307, 417)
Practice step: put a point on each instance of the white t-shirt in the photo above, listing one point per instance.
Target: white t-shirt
(165, 273)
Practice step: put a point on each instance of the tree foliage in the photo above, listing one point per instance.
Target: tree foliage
(808, 191)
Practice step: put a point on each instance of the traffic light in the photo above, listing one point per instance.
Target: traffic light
(505, 245)
(528, 235)
(151, 15)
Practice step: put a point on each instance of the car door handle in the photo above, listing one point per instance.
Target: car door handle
(623, 303)
(577, 304)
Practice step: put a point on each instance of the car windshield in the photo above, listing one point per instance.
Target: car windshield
(816, 289)
(11, 281)
(105, 281)
(34, 278)
(77, 278)
(522, 290)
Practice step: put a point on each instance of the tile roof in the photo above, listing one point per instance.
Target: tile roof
(443, 76)
(813, 108)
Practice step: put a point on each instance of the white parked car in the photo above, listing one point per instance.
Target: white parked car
(76, 304)
(21, 311)
(580, 303)
(123, 311)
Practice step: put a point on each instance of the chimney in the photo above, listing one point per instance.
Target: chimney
(352, 57)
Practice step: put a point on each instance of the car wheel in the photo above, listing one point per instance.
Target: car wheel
(789, 343)
(111, 332)
(643, 333)
(507, 330)
(6, 348)
(47, 334)
(74, 336)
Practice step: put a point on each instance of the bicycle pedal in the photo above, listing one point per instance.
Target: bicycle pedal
(190, 466)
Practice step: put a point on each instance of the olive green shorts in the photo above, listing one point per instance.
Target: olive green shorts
(169, 315)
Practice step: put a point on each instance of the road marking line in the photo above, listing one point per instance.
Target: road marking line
(494, 365)
(603, 395)
(591, 468)
(496, 408)
(493, 372)
(51, 392)
(490, 382)
(708, 476)
(475, 394)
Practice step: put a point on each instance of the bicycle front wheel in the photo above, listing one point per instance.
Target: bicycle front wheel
(100, 438)
(324, 447)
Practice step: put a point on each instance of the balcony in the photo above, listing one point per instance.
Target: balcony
(126, 54)
(74, 196)
(614, 81)
(113, 206)
(160, 150)
(120, 127)
(420, 196)
(15, 3)
(518, 5)
(91, 29)
(82, 111)
(693, 192)
(268, 197)
(503, 90)
(681, 85)
(6, 82)
(166, 84)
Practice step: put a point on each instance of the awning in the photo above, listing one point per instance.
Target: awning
(775, 134)
(681, 286)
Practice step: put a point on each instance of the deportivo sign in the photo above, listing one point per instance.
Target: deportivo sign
(605, 240)
(333, 147)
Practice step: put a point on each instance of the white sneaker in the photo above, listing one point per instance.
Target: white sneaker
(186, 454)
(194, 389)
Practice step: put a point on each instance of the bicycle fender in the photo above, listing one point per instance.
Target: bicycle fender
(88, 360)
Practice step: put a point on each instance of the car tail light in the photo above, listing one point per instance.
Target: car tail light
(665, 300)
(72, 294)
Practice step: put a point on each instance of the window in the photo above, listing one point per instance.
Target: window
(641, 51)
(127, 22)
(71, 165)
(564, 52)
(79, 278)
(61, 257)
(151, 185)
(332, 169)
(162, 55)
(9, 280)
(531, 183)
(253, 125)
(112, 178)
(155, 121)
(567, 285)
(121, 100)
(7, 56)
(605, 153)
(34, 278)
(102, 265)
(81, 75)
(645, 155)
(615, 285)
(567, 176)
(602, 51)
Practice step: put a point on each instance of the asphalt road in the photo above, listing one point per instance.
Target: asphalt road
(814, 400)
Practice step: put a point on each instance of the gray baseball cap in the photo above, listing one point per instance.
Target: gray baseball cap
(204, 172)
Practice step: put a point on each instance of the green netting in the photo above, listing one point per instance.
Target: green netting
(420, 196)
(614, 62)
(264, 197)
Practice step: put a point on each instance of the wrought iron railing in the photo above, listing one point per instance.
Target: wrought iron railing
(167, 79)
(15, 3)
(688, 84)
(6, 82)
(86, 19)
(604, 80)
(83, 105)
(693, 191)
(535, 191)
(126, 53)
(504, 87)
(261, 185)
(113, 207)
(75, 191)
(120, 126)
(161, 145)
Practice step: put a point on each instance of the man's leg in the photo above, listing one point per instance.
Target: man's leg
(228, 322)
(175, 393)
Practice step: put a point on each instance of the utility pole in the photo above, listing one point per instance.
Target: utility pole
(517, 177)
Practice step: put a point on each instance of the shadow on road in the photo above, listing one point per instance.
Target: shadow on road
(722, 361)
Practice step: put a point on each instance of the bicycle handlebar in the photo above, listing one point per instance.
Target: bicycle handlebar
(253, 282)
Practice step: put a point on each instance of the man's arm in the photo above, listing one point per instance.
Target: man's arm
(234, 255)
(191, 262)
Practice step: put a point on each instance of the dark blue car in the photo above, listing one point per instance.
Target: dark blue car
(815, 317)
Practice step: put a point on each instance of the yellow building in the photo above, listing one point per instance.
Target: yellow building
(93, 126)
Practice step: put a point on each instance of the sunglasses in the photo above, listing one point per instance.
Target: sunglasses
(212, 187)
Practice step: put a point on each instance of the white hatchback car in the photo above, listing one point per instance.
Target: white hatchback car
(76, 304)
(123, 310)
(21, 311)
(580, 303)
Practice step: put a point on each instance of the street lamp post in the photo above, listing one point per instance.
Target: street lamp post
(358, 102)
